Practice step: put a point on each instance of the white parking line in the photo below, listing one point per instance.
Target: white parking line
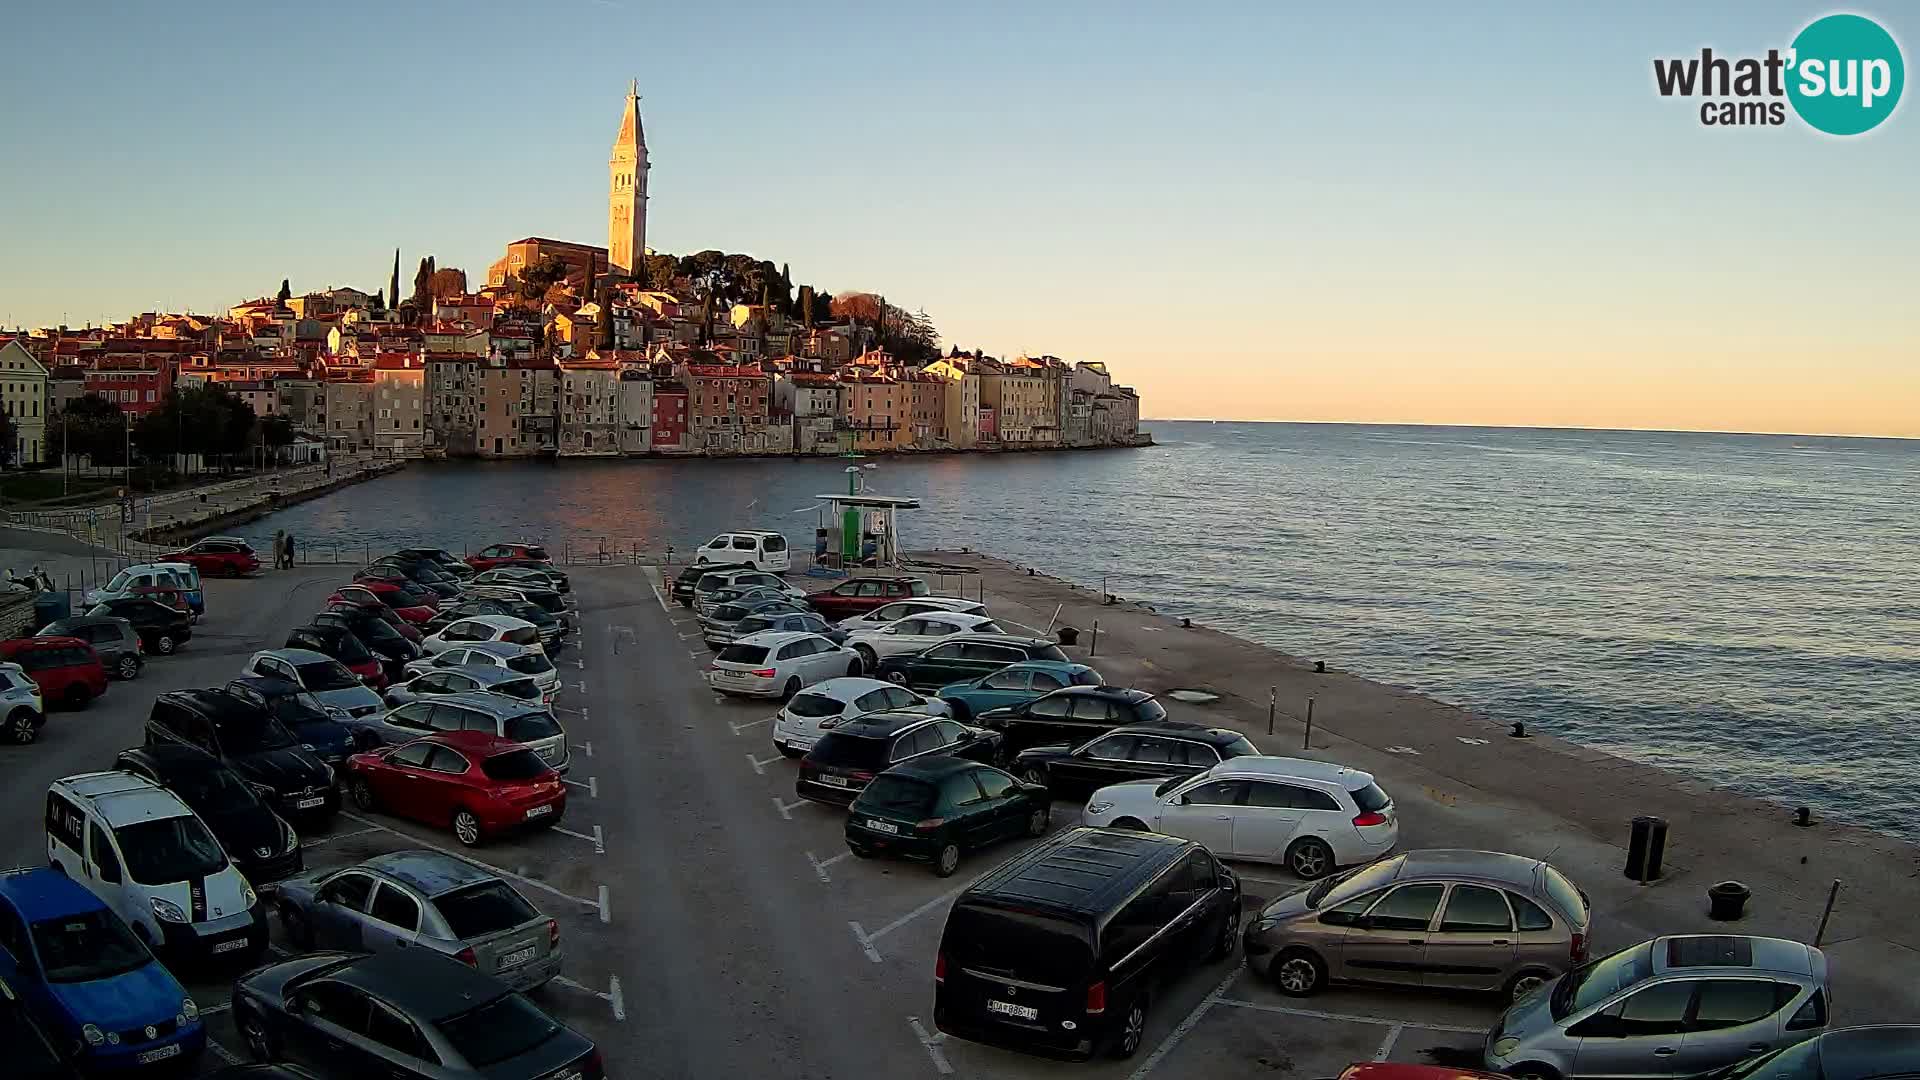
(867, 940)
(581, 686)
(215, 1010)
(787, 809)
(662, 599)
(450, 853)
(606, 905)
(684, 637)
(932, 1045)
(820, 865)
(1386, 1044)
(592, 785)
(223, 1053)
(612, 995)
(584, 747)
(331, 837)
(1315, 1014)
(579, 663)
(597, 839)
(760, 767)
(738, 728)
(1185, 1026)
(571, 712)
(866, 943)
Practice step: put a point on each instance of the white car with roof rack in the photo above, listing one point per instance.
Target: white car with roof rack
(532, 663)
(778, 663)
(900, 609)
(916, 632)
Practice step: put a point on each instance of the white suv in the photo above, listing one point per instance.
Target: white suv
(21, 710)
(914, 633)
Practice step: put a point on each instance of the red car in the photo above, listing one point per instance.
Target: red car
(481, 784)
(488, 558)
(66, 669)
(856, 596)
(351, 601)
(1394, 1070)
(217, 558)
(407, 605)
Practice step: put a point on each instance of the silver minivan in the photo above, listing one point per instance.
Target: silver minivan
(1673, 1006)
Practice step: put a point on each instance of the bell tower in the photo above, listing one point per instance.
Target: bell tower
(627, 190)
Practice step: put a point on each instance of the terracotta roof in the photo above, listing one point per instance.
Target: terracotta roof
(706, 371)
(396, 363)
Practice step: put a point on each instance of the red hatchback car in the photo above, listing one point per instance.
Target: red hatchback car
(859, 595)
(347, 600)
(66, 669)
(217, 558)
(490, 557)
(405, 604)
(477, 782)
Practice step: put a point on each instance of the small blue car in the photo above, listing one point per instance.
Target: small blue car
(88, 981)
(1015, 684)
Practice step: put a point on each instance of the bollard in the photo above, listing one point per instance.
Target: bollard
(1833, 893)
(1803, 817)
(1646, 847)
(1306, 740)
(1093, 647)
(1320, 667)
(1727, 900)
(1519, 731)
(1273, 695)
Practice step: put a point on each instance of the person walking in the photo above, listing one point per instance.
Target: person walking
(289, 551)
(279, 549)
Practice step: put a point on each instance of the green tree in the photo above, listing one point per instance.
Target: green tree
(393, 286)
(7, 438)
(93, 427)
(535, 280)
(660, 272)
(422, 299)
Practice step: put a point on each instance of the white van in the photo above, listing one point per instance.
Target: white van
(762, 550)
(155, 863)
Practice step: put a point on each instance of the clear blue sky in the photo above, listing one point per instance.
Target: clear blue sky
(1424, 212)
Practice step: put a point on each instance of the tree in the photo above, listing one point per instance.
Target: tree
(535, 280)
(393, 286)
(276, 430)
(446, 283)
(92, 426)
(660, 271)
(422, 289)
(7, 438)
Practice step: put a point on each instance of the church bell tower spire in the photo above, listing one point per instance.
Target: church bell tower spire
(627, 190)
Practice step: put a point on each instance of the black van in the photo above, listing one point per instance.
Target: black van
(1060, 949)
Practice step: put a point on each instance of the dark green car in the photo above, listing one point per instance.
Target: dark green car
(937, 808)
(965, 656)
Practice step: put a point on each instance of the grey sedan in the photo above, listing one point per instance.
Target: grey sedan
(422, 899)
(458, 680)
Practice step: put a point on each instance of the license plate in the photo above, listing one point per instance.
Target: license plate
(309, 804)
(836, 781)
(158, 1053)
(230, 946)
(570, 1074)
(1018, 1012)
(518, 957)
(539, 811)
(887, 827)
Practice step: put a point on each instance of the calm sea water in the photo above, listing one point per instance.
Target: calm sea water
(1744, 608)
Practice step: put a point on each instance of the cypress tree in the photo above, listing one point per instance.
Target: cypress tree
(393, 286)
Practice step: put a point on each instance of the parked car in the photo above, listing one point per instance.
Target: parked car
(353, 600)
(71, 964)
(478, 783)
(1673, 1006)
(442, 1020)
(144, 580)
(155, 863)
(548, 628)
(856, 596)
(546, 599)
(474, 678)
(1400, 1070)
(527, 576)
(778, 663)
(1486, 921)
(1135, 752)
(418, 571)
(1060, 949)
(1073, 714)
(524, 722)
(916, 633)
(496, 554)
(721, 627)
(900, 609)
(525, 660)
(66, 669)
(259, 841)
(395, 588)
(965, 656)
(779, 616)
(846, 759)
(824, 706)
(114, 640)
(408, 604)
(1015, 684)
(936, 808)
(250, 742)
(423, 899)
(189, 578)
(476, 628)
(218, 557)
(719, 586)
(328, 680)
(162, 629)
(682, 589)
(761, 550)
(441, 558)
(342, 645)
(22, 706)
(1877, 1052)
(320, 727)
(30, 1051)
(392, 648)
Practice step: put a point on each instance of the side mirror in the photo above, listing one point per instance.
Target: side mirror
(1182, 800)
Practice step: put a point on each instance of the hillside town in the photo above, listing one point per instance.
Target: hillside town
(568, 350)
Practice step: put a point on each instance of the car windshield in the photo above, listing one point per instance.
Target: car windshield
(742, 654)
(890, 794)
(524, 689)
(514, 765)
(87, 946)
(119, 582)
(253, 734)
(1238, 746)
(1585, 987)
(531, 663)
(1149, 711)
(1053, 653)
(1169, 784)
(323, 675)
(213, 791)
(1354, 882)
(813, 706)
(753, 624)
(1572, 902)
(300, 708)
(521, 635)
(1801, 1061)
(165, 850)
(729, 613)
(503, 1028)
(850, 751)
(530, 726)
(486, 908)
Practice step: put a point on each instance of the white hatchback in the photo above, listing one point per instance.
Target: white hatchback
(916, 632)
(900, 609)
(778, 663)
(480, 628)
(821, 708)
(1309, 816)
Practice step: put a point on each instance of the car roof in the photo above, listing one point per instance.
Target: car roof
(1695, 951)
(216, 703)
(296, 657)
(421, 983)
(482, 743)
(123, 798)
(1080, 871)
(1467, 863)
(173, 758)
(506, 650)
(881, 725)
(486, 673)
(1112, 693)
(1325, 772)
(498, 622)
(846, 687)
(495, 704)
(41, 892)
(934, 768)
(772, 638)
(51, 641)
(428, 871)
(1858, 1053)
(267, 686)
(1174, 729)
(871, 577)
(995, 639)
(77, 621)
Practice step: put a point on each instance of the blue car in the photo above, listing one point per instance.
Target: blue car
(88, 981)
(1015, 684)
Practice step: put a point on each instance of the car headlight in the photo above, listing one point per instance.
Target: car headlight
(265, 791)
(188, 1009)
(168, 911)
(292, 839)
(1503, 1047)
(1265, 926)
(326, 770)
(248, 897)
(96, 1037)
(1100, 807)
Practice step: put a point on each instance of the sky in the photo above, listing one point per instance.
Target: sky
(1408, 213)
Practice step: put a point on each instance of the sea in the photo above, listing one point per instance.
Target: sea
(1742, 608)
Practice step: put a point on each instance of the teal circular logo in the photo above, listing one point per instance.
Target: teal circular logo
(1845, 74)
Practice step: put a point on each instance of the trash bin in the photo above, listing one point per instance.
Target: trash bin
(1646, 847)
(1727, 901)
(1068, 635)
(48, 606)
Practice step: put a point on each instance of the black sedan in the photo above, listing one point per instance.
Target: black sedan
(400, 1015)
(261, 843)
(847, 758)
(422, 574)
(441, 558)
(959, 657)
(380, 638)
(162, 629)
(936, 808)
(1073, 714)
(1135, 752)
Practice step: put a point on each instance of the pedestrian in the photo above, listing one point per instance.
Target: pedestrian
(279, 549)
(289, 551)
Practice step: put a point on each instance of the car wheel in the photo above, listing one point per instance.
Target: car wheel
(898, 678)
(854, 668)
(129, 666)
(792, 688)
(76, 697)
(260, 1042)
(1132, 1030)
(21, 728)
(1229, 936)
(1131, 824)
(1037, 822)
(860, 852)
(362, 793)
(466, 828)
(296, 926)
(1298, 972)
(1525, 983)
(1310, 859)
(1533, 1070)
(945, 863)
(165, 645)
(1035, 774)
(867, 655)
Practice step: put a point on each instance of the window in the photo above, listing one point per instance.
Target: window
(413, 755)
(1348, 913)
(106, 863)
(1218, 793)
(1111, 748)
(1012, 680)
(1200, 755)
(444, 760)
(1657, 1010)
(1158, 751)
(1476, 910)
(994, 782)
(348, 890)
(1046, 681)
(336, 1004)
(1529, 914)
(1408, 908)
(1273, 796)
(914, 742)
(395, 908)
(413, 715)
(1090, 708)
(1725, 1003)
(1812, 1014)
(949, 733)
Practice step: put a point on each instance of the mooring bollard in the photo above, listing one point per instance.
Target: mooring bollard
(1093, 647)
(1833, 893)
(1306, 740)
(1273, 696)
(1727, 900)
(1803, 816)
